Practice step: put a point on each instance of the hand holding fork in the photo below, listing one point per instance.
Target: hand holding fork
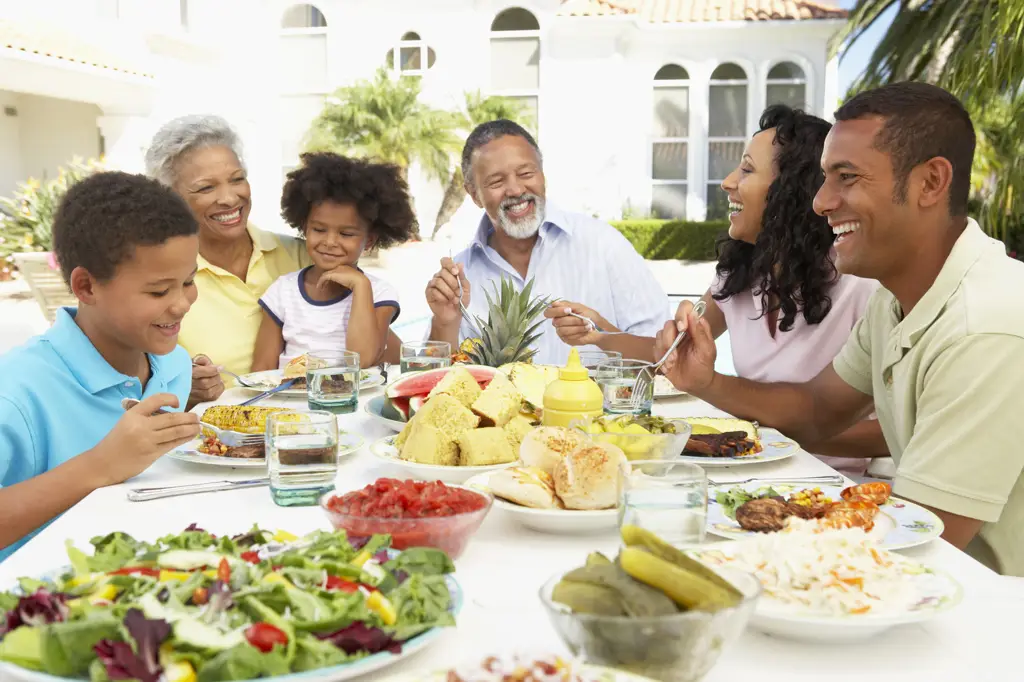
(645, 379)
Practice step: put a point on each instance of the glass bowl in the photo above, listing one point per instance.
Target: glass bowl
(448, 533)
(641, 445)
(681, 647)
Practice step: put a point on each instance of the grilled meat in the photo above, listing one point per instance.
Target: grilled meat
(729, 444)
(246, 452)
(765, 515)
(805, 511)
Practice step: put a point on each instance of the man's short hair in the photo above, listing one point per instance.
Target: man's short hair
(104, 217)
(922, 122)
(488, 132)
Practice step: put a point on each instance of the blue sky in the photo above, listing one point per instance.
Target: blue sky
(853, 62)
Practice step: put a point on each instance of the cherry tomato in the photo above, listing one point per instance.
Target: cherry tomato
(141, 570)
(264, 636)
(251, 557)
(336, 583)
(224, 571)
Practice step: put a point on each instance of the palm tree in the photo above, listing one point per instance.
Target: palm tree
(479, 109)
(971, 48)
(383, 119)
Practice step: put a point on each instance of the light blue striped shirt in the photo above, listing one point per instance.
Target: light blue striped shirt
(578, 259)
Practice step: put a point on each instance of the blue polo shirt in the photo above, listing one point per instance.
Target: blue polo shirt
(59, 398)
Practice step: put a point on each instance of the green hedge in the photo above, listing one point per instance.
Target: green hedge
(672, 239)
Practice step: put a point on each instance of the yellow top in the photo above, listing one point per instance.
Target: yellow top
(224, 320)
(946, 381)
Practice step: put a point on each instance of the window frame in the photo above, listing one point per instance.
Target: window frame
(804, 81)
(687, 183)
(713, 139)
(518, 93)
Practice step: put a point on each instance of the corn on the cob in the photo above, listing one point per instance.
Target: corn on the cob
(240, 418)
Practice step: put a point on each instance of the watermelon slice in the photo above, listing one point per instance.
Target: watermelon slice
(416, 404)
(396, 409)
(421, 383)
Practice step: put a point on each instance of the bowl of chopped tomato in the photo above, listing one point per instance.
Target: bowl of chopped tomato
(413, 513)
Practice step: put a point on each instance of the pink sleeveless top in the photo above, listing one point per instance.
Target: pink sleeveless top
(801, 353)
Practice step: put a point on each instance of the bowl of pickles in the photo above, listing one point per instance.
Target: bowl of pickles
(653, 610)
(639, 436)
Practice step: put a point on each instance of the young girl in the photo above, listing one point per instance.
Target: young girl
(342, 207)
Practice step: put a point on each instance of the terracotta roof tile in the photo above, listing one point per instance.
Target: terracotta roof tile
(49, 41)
(699, 11)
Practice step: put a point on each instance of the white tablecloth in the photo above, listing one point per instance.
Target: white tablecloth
(505, 565)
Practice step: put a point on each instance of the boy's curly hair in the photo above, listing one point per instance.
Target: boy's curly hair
(102, 218)
(378, 191)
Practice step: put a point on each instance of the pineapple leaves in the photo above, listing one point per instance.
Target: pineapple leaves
(510, 330)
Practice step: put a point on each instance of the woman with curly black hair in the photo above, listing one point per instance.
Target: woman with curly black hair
(788, 311)
(342, 207)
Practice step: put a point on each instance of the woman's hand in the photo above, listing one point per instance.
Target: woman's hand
(572, 330)
(691, 366)
(207, 383)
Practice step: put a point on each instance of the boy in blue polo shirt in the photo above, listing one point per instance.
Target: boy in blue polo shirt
(127, 248)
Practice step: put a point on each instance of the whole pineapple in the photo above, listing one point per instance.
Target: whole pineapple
(510, 330)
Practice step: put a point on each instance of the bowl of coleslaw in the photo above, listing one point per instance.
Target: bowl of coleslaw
(834, 586)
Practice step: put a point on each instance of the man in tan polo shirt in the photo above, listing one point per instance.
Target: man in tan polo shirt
(939, 354)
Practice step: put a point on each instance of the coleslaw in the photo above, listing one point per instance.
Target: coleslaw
(840, 573)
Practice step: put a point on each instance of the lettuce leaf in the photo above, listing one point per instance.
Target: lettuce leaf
(422, 603)
(312, 653)
(243, 662)
(422, 561)
(113, 550)
(66, 649)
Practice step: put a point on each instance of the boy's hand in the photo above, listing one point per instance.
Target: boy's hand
(207, 383)
(443, 293)
(140, 437)
(345, 275)
(572, 330)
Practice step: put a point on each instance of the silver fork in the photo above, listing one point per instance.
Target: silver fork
(593, 325)
(234, 439)
(645, 379)
(835, 479)
(465, 313)
(240, 380)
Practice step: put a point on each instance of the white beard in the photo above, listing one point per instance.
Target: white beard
(523, 228)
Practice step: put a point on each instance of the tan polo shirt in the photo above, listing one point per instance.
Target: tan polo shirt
(947, 382)
(223, 322)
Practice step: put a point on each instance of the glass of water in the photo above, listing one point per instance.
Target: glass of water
(592, 359)
(616, 379)
(416, 356)
(332, 381)
(670, 499)
(302, 456)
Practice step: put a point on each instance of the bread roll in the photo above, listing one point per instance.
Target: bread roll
(528, 486)
(545, 446)
(588, 477)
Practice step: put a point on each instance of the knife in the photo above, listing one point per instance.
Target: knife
(265, 394)
(145, 494)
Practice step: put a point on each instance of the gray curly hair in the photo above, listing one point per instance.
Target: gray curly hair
(183, 135)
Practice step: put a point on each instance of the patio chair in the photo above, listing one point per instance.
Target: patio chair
(45, 282)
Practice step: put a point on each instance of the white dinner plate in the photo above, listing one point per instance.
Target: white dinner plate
(558, 521)
(272, 378)
(586, 672)
(385, 450)
(900, 524)
(774, 445)
(348, 444)
(936, 592)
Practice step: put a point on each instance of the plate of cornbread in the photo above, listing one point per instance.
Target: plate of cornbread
(461, 431)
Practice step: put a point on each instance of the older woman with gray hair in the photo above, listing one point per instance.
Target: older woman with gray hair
(200, 158)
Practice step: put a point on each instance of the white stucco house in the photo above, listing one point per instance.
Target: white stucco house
(641, 105)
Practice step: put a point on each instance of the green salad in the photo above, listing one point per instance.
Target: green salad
(194, 607)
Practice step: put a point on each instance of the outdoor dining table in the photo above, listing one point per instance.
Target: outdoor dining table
(505, 565)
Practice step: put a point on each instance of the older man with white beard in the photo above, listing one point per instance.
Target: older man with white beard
(570, 256)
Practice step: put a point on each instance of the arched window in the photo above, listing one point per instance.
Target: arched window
(414, 55)
(303, 16)
(515, 58)
(670, 142)
(303, 55)
(727, 132)
(787, 84)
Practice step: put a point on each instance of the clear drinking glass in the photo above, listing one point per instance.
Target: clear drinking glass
(592, 359)
(416, 356)
(668, 498)
(332, 381)
(616, 379)
(302, 456)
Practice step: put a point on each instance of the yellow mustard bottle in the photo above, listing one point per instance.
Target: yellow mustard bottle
(574, 395)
